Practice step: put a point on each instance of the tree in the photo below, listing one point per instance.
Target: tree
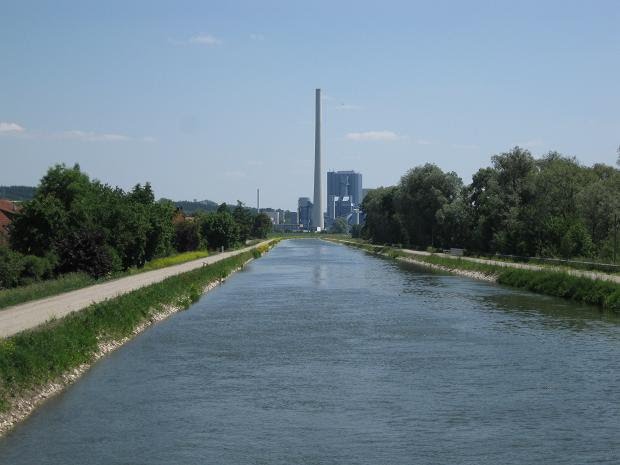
(339, 226)
(382, 224)
(86, 250)
(244, 219)
(262, 226)
(356, 231)
(11, 267)
(219, 229)
(41, 222)
(186, 236)
(67, 204)
(422, 192)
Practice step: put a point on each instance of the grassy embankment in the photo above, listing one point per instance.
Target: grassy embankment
(73, 281)
(33, 358)
(605, 294)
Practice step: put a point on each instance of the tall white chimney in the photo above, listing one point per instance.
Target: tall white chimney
(317, 208)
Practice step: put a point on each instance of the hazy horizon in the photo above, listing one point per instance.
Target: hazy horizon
(212, 101)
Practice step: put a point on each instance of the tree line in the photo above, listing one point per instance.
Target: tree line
(547, 207)
(75, 224)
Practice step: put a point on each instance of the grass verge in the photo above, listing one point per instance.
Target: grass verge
(171, 260)
(36, 357)
(604, 294)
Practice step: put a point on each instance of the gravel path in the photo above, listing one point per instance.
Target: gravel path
(30, 314)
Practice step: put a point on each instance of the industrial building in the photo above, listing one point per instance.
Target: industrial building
(344, 196)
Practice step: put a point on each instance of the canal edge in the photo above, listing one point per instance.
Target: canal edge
(23, 405)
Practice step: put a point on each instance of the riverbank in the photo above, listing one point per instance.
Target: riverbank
(31, 314)
(579, 287)
(38, 363)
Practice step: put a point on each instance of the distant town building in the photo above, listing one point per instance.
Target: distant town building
(273, 216)
(286, 227)
(304, 211)
(293, 218)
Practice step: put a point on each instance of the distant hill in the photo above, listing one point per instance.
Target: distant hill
(18, 193)
(191, 207)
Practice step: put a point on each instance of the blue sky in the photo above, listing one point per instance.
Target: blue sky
(214, 99)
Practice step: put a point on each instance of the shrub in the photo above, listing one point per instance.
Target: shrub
(11, 267)
(85, 250)
(37, 268)
(186, 236)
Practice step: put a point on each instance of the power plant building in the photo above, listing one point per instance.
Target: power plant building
(344, 196)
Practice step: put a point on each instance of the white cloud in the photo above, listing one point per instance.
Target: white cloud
(373, 136)
(10, 128)
(257, 37)
(423, 142)
(205, 39)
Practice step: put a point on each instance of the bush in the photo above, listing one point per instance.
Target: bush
(11, 267)
(262, 226)
(85, 250)
(186, 236)
(37, 268)
(219, 229)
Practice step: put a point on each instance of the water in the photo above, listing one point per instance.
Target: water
(320, 354)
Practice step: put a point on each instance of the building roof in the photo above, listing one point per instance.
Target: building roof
(7, 210)
(8, 206)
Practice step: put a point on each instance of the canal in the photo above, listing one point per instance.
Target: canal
(322, 354)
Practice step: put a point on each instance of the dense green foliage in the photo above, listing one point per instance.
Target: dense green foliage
(17, 193)
(219, 229)
(33, 358)
(552, 207)
(90, 226)
(262, 226)
(339, 226)
(194, 207)
(186, 235)
(75, 224)
(356, 231)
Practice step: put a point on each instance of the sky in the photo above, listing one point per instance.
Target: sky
(214, 99)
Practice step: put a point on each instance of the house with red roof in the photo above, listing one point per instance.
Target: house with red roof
(8, 210)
